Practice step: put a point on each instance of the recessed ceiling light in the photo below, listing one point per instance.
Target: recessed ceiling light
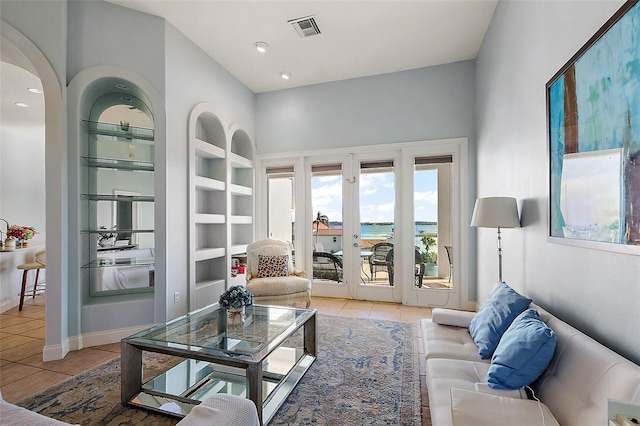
(122, 86)
(22, 105)
(34, 90)
(285, 75)
(261, 46)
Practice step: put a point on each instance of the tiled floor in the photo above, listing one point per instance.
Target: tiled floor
(23, 373)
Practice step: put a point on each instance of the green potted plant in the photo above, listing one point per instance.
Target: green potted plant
(429, 257)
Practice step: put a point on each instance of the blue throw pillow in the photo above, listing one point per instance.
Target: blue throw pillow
(494, 317)
(524, 352)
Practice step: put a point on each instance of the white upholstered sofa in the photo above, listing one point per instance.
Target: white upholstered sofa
(573, 390)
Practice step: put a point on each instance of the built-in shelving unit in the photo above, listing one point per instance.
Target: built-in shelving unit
(117, 181)
(221, 203)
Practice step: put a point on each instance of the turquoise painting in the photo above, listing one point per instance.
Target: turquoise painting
(594, 137)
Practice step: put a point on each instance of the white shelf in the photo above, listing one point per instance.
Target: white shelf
(209, 283)
(206, 150)
(240, 162)
(205, 218)
(238, 249)
(240, 190)
(207, 184)
(209, 253)
(241, 220)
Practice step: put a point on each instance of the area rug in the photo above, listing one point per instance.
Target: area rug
(366, 373)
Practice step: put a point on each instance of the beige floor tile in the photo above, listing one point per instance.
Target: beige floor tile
(29, 310)
(337, 303)
(386, 307)
(13, 371)
(329, 310)
(23, 351)
(111, 347)
(358, 304)
(13, 340)
(30, 385)
(29, 325)
(74, 363)
(9, 321)
(38, 333)
(385, 315)
(354, 313)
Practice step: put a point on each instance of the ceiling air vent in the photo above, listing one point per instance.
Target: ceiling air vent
(306, 26)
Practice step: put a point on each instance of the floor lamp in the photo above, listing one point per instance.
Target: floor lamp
(496, 212)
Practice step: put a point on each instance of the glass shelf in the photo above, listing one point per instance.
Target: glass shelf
(118, 132)
(110, 163)
(124, 261)
(115, 231)
(111, 197)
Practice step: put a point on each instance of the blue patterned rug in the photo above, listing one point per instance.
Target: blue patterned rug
(366, 373)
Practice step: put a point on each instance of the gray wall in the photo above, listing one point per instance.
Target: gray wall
(596, 291)
(427, 103)
(192, 78)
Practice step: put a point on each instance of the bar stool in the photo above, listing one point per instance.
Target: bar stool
(40, 263)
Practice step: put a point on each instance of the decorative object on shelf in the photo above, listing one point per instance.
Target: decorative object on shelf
(10, 244)
(107, 239)
(234, 301)
(124, 125)
(21, 234)
(496, 212)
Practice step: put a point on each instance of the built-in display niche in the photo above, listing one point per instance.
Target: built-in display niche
(118, 196)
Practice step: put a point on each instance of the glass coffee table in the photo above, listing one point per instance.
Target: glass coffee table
(262, 359)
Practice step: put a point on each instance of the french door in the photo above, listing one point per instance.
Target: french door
(380, 225)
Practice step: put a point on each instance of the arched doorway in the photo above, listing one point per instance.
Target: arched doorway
(56, 341)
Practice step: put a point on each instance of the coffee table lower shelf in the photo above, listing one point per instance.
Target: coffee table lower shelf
(179, 389)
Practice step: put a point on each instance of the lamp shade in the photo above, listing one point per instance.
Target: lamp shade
(494, 212)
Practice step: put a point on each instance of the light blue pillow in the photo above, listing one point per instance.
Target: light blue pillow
(494, 317)
(524, 352)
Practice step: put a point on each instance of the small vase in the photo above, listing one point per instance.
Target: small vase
(9, 244)
(25, 243)
(235, 316)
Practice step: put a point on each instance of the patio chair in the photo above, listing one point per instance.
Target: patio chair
(419, 268)
(449, 250)
(271, 285)
(378, 258)
(327, 266)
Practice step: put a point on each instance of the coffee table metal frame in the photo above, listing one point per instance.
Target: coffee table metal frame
(205, 335)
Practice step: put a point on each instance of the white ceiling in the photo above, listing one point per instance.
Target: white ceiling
(359, 38)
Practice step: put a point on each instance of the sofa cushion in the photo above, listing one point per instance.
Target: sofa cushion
(272, 266)
(478, 409)
(444, 341)
(277, 286)
(267, 250)
(524, 352)
(494, 317)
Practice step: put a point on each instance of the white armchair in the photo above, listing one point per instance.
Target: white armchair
(271, 277)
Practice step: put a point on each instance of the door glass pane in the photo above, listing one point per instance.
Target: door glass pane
(326, 202)
(281, 205)
(431, 236)
(377, 208)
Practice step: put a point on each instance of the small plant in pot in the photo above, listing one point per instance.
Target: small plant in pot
(234, 301)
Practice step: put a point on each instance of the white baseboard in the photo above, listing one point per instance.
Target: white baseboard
(109, 336)
(55, 352)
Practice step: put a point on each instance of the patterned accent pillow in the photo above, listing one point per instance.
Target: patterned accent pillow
(273, 266)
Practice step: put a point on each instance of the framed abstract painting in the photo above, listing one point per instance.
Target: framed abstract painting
(593, 120)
